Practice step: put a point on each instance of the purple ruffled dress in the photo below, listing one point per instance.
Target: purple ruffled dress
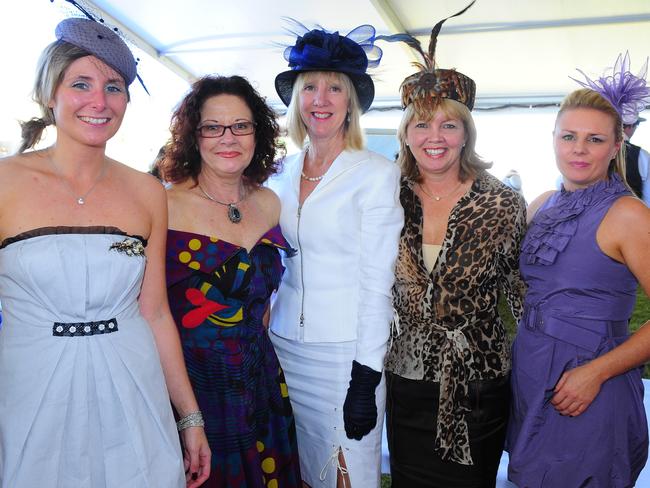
(577, 308)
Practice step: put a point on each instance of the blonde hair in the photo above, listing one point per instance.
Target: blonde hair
(587, 98)
(470, 162)
(50, 70)
(296, 128)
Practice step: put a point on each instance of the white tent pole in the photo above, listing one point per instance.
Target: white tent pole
(145, 46)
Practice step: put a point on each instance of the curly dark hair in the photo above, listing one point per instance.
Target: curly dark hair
(182, 158)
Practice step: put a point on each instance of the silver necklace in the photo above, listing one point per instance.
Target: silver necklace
(234, 214)
(437, 198)
(81, 199)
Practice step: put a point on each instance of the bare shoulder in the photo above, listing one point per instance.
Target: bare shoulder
(146, 188)
(628, 215)
(269, 202)
(20, 168)
(19, 162)
(137, 179)
(536, 204)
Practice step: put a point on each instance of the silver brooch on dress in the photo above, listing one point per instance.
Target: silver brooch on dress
(129, 246)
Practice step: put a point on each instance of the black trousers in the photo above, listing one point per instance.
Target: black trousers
(412, 409)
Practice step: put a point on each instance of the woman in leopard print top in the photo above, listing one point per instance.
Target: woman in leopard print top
(448, 366)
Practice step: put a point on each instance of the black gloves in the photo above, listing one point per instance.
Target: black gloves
(359, 409)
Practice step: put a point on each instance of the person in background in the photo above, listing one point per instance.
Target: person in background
(223, 264)
(449, 363)
(637, 163)
(331, 316)
(577, 411)
(85, 400)
(512, 180)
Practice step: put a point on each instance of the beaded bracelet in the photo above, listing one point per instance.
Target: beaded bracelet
(193, 419)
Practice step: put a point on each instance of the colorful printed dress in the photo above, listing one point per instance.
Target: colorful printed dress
(218, 293)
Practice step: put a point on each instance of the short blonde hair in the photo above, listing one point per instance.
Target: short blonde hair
(470, 162)
(587, 98)
(296, 128)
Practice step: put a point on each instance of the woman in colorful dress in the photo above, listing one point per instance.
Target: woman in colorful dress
(449, 364)
(223, 264)
(330, 321)
(86, 321)
(578, 418)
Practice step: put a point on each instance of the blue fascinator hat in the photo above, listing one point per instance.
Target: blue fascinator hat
(319, 50)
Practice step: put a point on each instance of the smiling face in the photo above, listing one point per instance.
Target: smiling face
(585, 144)
(324, 102)
(227, 155)
(436, 144)
(89, 103)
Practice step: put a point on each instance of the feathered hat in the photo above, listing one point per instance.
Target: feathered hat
(320, 50)
(426, 88)
(628, 93)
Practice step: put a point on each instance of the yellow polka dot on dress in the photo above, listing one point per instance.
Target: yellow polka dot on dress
(268, 465)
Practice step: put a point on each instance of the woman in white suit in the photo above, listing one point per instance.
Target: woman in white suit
(331, 318)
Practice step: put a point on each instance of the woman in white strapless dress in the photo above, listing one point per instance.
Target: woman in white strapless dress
(85, 401)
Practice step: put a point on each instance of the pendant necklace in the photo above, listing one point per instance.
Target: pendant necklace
(234, 214)
(81, 199)
(437, 198)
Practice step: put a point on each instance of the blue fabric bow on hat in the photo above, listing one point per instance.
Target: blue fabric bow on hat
(320, 50)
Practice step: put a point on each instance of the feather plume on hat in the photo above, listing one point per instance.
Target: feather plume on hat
(426, 88)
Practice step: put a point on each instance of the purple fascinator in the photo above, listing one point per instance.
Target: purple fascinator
(320, 50)
(628, 93)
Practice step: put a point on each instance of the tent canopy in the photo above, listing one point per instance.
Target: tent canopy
(515, 50)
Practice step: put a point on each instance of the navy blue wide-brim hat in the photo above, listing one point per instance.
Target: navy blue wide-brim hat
(101, 42)
(318, 50)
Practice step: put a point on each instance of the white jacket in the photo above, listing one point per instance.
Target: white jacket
(337, 288)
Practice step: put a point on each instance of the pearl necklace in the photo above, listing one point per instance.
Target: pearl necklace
(234, 214)
(312, 178)
(437, 198)
(81, 199)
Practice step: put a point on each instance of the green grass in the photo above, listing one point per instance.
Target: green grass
(640, 315)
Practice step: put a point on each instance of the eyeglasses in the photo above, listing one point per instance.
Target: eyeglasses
(217, 130)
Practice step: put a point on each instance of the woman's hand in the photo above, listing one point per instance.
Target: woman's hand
(196, 456)
(576, 390)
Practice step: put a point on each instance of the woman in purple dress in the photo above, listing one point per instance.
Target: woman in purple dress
(223, 264)
(577, 413)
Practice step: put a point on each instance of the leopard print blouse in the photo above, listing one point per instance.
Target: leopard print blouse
(447, 328)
